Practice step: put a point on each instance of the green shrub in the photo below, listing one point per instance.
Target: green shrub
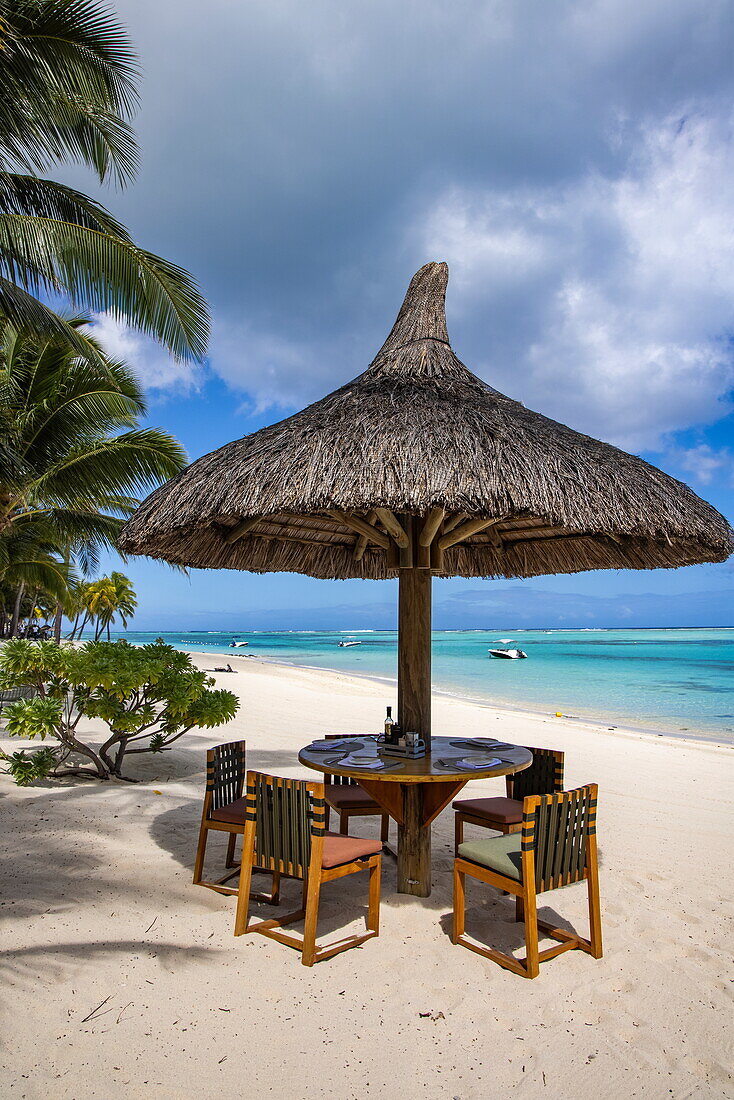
(147, 696)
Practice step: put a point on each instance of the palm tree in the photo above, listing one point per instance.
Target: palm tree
(73, 458)
(68, 88)
(107, 597)
(126, 601)
(73, 462)
(33, 574)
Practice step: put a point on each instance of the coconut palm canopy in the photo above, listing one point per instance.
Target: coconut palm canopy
(501, 491)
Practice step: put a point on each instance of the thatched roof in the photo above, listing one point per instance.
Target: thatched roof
(418, 434)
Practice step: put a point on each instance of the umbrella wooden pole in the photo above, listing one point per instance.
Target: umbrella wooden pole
(414, 713)
(414, 652)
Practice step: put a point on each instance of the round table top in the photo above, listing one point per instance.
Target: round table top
(424, 769)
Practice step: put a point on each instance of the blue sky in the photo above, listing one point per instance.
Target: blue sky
(571, 161)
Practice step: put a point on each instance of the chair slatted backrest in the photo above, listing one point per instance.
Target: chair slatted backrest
(225, 773)
(287, 814)
(341, 780)
(556, 828)
(544, 776)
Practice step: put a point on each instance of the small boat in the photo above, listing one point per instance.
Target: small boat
(237, 645)
(346, 645)
(508, 654)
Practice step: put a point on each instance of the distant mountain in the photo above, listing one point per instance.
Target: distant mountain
(493, 607)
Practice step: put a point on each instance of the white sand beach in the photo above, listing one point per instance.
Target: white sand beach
(121, 979)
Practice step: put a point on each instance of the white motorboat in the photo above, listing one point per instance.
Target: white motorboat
(237, 645)
(508, 654)
(347, 644)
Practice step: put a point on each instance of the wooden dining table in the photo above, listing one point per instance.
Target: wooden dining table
(414, 792)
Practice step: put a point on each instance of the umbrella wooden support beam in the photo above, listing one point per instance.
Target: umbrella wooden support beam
(414, 652)
(414, 713)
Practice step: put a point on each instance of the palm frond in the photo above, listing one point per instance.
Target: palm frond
(26, 313)
(107, 274)
(43, 198)
(130, 463)
(67, 86)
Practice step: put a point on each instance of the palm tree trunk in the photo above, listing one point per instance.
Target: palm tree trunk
(16, 610)
(31, 613)
(72, 636)
(57, 623)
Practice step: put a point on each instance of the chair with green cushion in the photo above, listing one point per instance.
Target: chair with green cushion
(557, 847)
(544, 776)
(285, 833)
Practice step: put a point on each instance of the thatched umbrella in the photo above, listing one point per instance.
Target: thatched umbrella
(416, 468)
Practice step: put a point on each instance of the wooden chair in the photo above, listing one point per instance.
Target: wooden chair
(557, 847)
(544, 776)
(348, 798)
(224, 812)
(285, 833)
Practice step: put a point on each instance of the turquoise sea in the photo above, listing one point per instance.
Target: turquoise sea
(680, 682)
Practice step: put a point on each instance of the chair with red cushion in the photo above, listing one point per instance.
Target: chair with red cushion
(544, 776)
(285, 833)
(347, 797)
(224, 812)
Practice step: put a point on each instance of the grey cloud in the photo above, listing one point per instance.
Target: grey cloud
(296, 157)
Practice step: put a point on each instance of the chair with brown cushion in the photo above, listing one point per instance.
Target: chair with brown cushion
(224, 812)
(544, 776)
(347, 797)
(557, 847)
(286, 833)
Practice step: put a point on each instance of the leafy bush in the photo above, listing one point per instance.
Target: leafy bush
(147, 696)
(27, 767)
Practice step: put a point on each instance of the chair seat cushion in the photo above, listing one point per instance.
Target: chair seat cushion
(505, 810)
(498, 853)
(343, 797)
(343, 849)
(233, 813)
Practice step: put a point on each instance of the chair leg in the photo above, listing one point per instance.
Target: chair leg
(231, 862)
(313, 890)
(532, 962)
(594, 912)
(243, 893)
(200, 853)
(344, 823)
(373, 912)
(275, 893)
(459, 905)
(458, 832)
(385, 828)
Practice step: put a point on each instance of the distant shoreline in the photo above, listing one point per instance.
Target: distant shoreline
(693, 736)
(436, 630)
(678, 682)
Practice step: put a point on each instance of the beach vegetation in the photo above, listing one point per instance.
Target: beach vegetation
(100, 601)
(74, 461)
(147, 697)
(68, 91)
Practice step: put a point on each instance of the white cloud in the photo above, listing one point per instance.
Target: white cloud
(619, 288)
(273, 371)
(705, 463)
(155, 369)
